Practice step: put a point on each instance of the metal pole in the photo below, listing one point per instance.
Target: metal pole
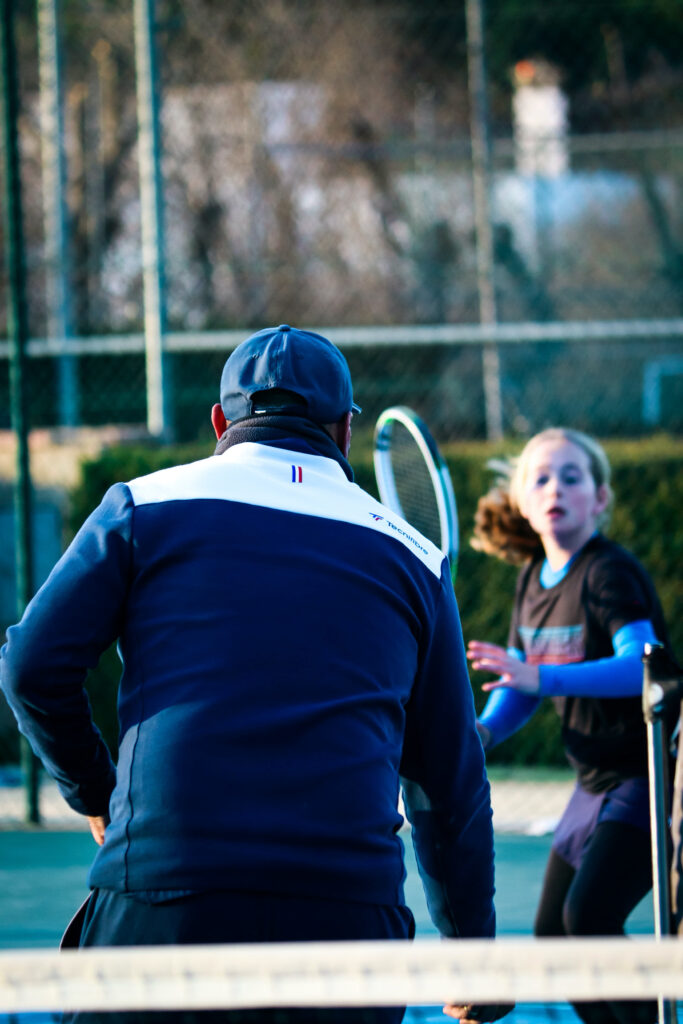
(54, 189)
(158, 421)
(17, 329)
(654, 660)
(481, 162)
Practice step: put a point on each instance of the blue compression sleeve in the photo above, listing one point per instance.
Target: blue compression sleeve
(618, 676)
(507, 710)
(632, 637)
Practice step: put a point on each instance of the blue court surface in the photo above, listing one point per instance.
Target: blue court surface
(43, 873)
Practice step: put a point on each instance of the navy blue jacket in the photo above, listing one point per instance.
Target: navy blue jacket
(289, 648)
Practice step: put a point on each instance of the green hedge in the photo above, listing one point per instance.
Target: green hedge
(648, 483)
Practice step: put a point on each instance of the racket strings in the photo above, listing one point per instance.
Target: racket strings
(414, 485)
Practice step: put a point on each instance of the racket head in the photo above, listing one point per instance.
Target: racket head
(413, 478)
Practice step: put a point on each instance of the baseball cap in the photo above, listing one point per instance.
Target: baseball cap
(289, 359)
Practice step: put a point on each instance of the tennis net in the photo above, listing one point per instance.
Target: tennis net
(338, 974)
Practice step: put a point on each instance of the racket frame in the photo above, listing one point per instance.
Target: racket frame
(436, 467)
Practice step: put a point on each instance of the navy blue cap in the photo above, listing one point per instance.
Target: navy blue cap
(293, 360)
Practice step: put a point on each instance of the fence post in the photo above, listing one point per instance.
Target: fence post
(17, 329)
(481, 175)
(54, 190)
(151, 205)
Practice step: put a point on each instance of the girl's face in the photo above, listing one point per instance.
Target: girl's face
(559, 496)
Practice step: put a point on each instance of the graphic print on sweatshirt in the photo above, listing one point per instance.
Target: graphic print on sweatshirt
(553, 645)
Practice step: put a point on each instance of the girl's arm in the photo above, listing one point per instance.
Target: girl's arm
(618, 676)
(506, 711)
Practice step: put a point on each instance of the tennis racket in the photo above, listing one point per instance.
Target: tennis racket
(413, 479)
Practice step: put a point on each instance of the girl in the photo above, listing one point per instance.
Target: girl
(584, 609)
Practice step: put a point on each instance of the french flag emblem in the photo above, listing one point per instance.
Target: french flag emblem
(297, 474)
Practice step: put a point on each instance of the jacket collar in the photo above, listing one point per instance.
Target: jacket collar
(295, 433)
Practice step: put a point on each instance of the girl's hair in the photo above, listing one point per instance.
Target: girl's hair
(499, 527)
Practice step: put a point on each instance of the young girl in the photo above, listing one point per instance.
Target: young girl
(584, 609)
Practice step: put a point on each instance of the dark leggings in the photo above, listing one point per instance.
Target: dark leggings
(614, 875)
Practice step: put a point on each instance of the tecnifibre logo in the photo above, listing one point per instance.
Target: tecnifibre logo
(402, 533)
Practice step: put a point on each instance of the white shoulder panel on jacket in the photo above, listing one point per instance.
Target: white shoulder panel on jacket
(290, 481)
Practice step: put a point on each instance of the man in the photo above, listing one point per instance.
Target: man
(289, 646)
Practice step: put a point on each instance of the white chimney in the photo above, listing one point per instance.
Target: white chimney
(540, 120)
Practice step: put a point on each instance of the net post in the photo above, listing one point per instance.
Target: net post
(662, 684)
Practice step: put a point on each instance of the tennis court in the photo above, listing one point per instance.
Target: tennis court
(42, 881)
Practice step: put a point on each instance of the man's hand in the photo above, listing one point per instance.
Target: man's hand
(98, 824)
(475, 1013)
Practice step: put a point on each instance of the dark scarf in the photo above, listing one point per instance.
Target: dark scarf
(295, 433)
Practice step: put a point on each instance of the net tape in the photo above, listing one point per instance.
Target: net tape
(341, 974)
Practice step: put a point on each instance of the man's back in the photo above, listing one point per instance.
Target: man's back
(263, 594)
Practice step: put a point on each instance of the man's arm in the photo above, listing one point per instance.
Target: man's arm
(445, 788)
(73, 618)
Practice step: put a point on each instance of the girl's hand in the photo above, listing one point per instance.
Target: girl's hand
(516, 674)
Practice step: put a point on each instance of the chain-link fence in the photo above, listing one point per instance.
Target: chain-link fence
(316, 162)
(317, 170)
(320, 166)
